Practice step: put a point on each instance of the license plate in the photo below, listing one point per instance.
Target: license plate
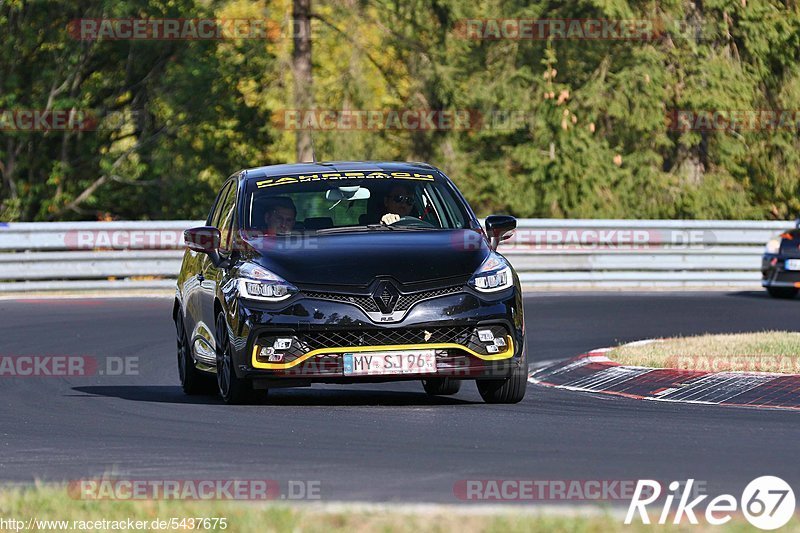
(381, 363)
(792, 264)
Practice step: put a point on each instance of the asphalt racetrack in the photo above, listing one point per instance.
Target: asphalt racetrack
(388, 442)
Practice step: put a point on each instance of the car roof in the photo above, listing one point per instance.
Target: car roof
(335, 166)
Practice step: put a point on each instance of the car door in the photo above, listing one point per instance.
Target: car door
(212, 274)
(196, 291)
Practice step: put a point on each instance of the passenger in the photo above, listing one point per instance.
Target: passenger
(280, 215)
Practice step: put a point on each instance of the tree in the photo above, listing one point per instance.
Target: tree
(301, 69)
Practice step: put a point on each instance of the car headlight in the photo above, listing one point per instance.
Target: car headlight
(773, 246)
(493, 275)
(257, 283)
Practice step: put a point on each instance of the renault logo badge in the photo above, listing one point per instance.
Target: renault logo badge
(386, 296)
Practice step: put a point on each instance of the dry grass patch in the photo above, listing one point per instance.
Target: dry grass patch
(768, 351)
(52, 503)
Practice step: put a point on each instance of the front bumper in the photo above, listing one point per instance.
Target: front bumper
(319, 333)
(774, 273)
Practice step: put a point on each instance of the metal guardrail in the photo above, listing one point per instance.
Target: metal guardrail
(546, 253)
(91, 256)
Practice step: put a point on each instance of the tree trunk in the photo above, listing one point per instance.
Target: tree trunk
(301, 65)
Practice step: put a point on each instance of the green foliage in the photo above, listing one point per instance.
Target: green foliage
(569, 128)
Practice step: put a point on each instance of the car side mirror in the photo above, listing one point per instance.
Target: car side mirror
(203, 239)
(499, 228)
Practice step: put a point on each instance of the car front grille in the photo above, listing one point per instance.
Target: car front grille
(406, 301)
(368, 304)
(386, 337)
(419, 337)
(364, 302)
(788, 276)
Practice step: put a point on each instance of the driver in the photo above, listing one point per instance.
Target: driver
(279, 216)
(399, 201)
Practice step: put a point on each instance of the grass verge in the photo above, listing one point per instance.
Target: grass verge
(52, 503)
(768, 351)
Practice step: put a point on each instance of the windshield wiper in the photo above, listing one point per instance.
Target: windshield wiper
(373, 227)
(347, 229)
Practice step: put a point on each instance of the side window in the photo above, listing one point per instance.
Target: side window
(227, 215)
(446, 203)
(216, 211)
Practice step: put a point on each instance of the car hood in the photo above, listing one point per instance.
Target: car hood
(357, 259)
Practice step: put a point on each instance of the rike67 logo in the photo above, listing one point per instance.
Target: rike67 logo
(767, 503)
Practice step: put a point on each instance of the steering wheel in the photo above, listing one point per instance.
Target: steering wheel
(413, 221)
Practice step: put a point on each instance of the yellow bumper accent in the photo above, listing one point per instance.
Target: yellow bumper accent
(507, 354)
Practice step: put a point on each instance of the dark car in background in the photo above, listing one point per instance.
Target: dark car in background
(348, 272)
(780, 266)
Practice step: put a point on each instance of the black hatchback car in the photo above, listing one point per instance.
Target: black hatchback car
(348, 272)
(780, 265)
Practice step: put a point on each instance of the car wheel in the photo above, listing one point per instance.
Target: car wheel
(233, 389)
(510, 390)
(193, 381)
(441, 386)
(782, 292)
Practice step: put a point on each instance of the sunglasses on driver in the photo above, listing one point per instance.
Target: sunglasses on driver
(399, 198)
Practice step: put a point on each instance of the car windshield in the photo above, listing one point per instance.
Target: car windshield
(339, 202)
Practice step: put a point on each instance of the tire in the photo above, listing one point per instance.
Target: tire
(232, 389)
(782, 292)
(441, 386)
(193, 381)
(510, 390)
